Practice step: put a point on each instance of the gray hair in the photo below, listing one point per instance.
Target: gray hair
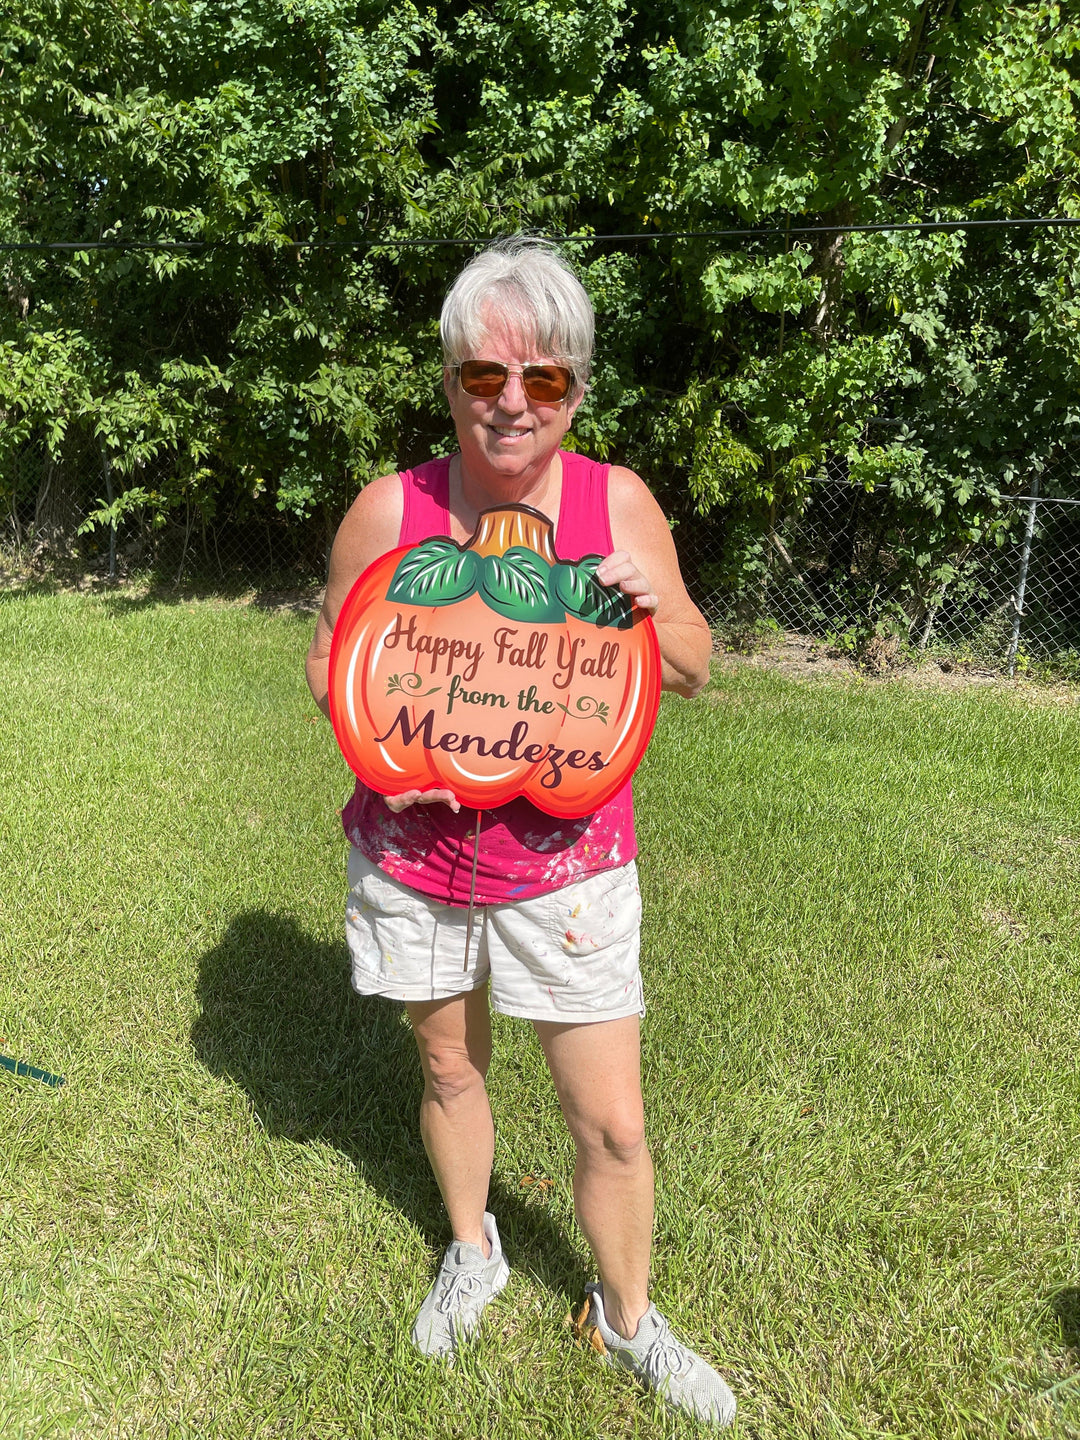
(528, 284)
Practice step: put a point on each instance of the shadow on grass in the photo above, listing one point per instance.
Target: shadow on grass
(1065, 1306)
(299, 600)
(131, 594)
(278, 1017)
(19, 589)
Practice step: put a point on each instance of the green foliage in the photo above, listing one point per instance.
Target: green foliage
(729, 371)
(288, 370)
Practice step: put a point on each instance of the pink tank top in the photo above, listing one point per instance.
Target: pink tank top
(523, 852)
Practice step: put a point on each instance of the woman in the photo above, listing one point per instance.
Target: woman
(517, 335)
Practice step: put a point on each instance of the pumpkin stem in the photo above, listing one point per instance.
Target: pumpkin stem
(498, 530)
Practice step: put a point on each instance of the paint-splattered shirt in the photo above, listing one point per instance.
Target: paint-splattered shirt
(523, 852)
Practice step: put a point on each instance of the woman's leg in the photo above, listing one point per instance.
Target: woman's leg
(454, 1040)
(597, 1073)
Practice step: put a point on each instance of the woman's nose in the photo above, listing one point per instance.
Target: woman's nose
(513, 398)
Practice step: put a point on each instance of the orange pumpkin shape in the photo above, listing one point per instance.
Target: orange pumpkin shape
(493, 669)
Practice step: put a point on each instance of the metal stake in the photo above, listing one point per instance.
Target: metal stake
(472, 892)
(112, 523)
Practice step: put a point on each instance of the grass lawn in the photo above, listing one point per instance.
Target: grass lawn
(863, 970)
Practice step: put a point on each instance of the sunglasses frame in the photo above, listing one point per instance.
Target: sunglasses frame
(524, 372)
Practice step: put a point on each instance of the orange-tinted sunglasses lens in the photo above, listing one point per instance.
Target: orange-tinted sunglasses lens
(546, 384)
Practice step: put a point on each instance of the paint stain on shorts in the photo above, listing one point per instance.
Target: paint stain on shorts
(576, 941)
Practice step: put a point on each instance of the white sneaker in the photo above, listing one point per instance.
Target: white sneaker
(466, 1282)
(683, 1380)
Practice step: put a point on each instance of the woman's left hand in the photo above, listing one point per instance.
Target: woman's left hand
(619, 569)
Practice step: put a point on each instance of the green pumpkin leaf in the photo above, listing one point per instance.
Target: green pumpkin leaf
(584, 596)
(518, 585)
(436, 572)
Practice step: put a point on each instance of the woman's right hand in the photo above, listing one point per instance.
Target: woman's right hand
(397, 803)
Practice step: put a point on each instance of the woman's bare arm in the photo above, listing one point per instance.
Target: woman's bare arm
(644, 565)
(370, 529)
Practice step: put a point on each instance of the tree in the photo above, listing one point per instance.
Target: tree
(255, 367)
(730, 371)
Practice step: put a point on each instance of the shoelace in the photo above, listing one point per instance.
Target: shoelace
(666, 1358)
(460, 1289)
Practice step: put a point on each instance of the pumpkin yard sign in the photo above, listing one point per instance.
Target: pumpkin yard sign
(494, 670)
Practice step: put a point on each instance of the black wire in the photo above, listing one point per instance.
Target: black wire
(919, 226)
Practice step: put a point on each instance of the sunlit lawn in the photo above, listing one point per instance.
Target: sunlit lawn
(863, 973)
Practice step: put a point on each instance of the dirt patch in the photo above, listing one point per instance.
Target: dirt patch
(305, 601)
(791, 655)
(798, 657)
(1005, 923)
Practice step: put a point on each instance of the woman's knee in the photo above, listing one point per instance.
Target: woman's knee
(614, 1138)
(451, 1073)
(454, 1041)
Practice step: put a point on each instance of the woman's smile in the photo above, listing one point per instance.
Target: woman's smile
(508, 442)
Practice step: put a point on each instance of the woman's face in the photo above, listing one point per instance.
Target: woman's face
(509, 438)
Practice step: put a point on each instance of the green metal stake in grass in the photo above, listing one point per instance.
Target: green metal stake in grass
(20, 1067)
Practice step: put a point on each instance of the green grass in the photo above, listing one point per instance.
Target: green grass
(863, 976)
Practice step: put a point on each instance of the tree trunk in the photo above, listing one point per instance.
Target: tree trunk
(829, 267)
(57, 513)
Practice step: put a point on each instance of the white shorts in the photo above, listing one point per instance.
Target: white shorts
(570, 956)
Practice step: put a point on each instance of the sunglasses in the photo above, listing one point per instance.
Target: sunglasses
(546, 384)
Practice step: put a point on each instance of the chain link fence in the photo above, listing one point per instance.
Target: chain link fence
(165, 526)
(850, 568)
(840, 566)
